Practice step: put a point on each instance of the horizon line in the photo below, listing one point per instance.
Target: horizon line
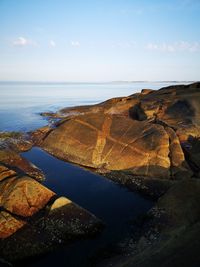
(117, 81)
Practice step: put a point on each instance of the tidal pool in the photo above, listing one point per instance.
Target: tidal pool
(112, 203)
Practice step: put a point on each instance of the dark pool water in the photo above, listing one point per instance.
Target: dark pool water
(112, 203)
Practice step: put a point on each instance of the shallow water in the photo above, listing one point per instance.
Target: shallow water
(112, 203)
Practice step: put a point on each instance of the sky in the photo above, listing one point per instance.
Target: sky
(99, 40)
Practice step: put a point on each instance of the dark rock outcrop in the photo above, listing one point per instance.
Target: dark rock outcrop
(170, 235)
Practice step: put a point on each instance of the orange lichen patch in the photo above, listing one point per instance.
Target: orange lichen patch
(9, 224)
(24, 196)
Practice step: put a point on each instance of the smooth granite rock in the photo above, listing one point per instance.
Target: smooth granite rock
(142, 133)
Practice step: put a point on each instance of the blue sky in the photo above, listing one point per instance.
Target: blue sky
(102, 40)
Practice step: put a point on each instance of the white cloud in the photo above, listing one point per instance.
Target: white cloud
(174, 47)
(52, 43)
(75, 43)
(22, 41)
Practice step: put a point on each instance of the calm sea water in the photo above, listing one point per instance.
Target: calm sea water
(21, 103)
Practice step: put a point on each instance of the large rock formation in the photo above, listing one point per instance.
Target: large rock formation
(143, 133)
(117, 143)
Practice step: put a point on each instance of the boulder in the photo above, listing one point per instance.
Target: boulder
(61, 222)
(9, 224)
(11, 158)
(23, 196)
(114, 142)
(66, 220)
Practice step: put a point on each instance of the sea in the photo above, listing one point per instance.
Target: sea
(22, 102)
(20, 106)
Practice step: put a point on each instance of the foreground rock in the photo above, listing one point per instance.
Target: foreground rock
(170, 235)
(60, 222)
(23, 196)
(33, 219)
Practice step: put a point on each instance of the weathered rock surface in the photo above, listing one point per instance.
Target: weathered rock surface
(112, 143)
(175, 106)
(14, 161)
(141, 133)
(9, 224)
(23, 196)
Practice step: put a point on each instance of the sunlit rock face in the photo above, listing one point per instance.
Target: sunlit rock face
(9, 157)
(140, 133)
(20, 195)
(9, 224)
(112, 143)
(23, 196)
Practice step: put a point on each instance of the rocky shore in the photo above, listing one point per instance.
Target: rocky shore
(149, 142)
(33, 219)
